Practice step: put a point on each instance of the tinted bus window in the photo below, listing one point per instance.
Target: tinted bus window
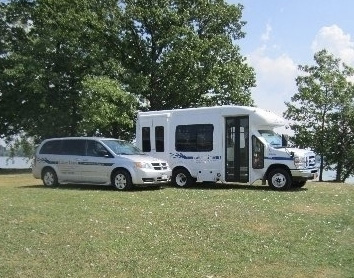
(146, 139)
(194, 138)
(159, 139)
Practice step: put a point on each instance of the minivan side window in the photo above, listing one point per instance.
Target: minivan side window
(73, 147)
(194, 138)
(95, 148)
(51, 147)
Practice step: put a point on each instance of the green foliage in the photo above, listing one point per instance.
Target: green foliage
(55, 45)
(322, 112)
(181, 53)
(60, 60)
(20, 146)
(106, 105)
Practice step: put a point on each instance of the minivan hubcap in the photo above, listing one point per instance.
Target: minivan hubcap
(120, 181)
(48, 179)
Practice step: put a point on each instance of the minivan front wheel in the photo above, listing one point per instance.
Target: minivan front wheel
(49, 177)
(121, 180)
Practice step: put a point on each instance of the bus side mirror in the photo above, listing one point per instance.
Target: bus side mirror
(284, 140)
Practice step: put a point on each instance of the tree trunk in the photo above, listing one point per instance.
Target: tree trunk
(339, 172)
(321, 169)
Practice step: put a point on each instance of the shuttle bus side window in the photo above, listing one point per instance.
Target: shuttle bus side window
(159, 139)
(146, 139)
(194, 138)
(257, 153)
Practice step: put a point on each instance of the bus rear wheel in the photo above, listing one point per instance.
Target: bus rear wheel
(182, 178)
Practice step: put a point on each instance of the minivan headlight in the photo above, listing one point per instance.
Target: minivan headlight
(300, 162)
(143, 165)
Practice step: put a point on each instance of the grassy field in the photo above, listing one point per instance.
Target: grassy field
(217, 231)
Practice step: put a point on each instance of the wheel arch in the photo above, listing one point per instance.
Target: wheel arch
(48, 168)
(276, 166)
(180, 167)
(120, 168)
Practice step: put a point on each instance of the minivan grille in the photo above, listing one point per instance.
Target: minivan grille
(159, 166)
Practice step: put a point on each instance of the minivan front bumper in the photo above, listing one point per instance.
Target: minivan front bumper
(146, 177)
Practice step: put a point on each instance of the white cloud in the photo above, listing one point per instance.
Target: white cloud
(336, 42)
(266, 35)
(275, 80)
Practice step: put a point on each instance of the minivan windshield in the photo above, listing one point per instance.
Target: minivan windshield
(272, 138)
(122, 147)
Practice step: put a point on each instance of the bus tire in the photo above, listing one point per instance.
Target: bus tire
(279, 179)
(298, 184)
(182, 178)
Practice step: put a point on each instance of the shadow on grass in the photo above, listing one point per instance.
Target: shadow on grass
(197, 186)
(235, 186)
(90, 187)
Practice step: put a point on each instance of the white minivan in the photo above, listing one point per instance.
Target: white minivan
(96, 160)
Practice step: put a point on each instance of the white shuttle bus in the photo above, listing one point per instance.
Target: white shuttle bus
(234, 144)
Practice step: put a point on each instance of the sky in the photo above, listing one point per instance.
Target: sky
(283, 34)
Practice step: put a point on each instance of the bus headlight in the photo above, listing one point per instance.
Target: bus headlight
(300, 162)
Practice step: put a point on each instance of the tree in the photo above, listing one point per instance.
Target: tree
(54, 47)
(64, 63)
(322, 111)
(181, 53)
(340, 156)
(103, 100)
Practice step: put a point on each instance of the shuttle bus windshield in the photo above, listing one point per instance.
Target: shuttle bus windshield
(272, 138)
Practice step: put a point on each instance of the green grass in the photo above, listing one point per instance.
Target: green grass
(217, 231)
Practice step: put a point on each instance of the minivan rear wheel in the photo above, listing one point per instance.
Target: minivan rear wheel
(49, 177)
(122, 180)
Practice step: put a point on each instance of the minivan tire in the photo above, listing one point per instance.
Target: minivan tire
(279, 179)
(49, 177)
(122, 180)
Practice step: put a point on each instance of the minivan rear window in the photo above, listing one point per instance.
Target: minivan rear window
(51, 147)
(73, 147)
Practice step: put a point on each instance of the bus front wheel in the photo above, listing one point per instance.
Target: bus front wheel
(279, 179)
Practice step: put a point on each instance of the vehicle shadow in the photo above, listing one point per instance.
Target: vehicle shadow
(197, 186)
(235, 186)
(90, 187)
